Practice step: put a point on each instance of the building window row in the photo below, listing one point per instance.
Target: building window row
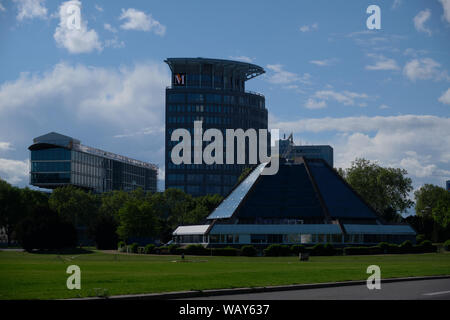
(48, 166)
(50, 154)
(243, 100)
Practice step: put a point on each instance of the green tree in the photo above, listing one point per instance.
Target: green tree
(427, 198)
(75, 205)
(385, 189)
(433, 204)
(11, 208)
(111, 203)
(137, 219)
(177, 206)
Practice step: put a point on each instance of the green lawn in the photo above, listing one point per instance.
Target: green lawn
(42, 276)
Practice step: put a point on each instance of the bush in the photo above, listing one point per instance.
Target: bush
(384, 246)
(197, 249)
(420, 238)
(277, 250)
(103, 231)
(228, 251)
(248, 251)
(329, 250)
(447, 245)
(322, 250)
(162, 250)
(43, 229)
(296, 249)
(425, 247)
(150, 248)
(393, 248)
(134, 247)
(406, 247)
(173, 249)
(121, 246)
(351, 251)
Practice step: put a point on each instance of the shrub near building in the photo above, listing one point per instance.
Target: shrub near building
(248, 251)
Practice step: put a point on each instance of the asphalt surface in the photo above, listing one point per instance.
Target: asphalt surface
(438, 289)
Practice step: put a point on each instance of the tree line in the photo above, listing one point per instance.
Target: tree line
(40, 220)
(388, 191)
(52, 220)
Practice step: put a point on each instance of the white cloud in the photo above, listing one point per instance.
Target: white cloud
(14, 171)
(242, 58)
(424, 69)
(145, 131)
(2, 8)
(280, 76)
(420, 19)
(5, 146)
(126, 98)
(139, 20)
(75, 40)
(307, 28)
(314, 104)
(445, 98)
(323, 63)
(29, 9)
(114, 43)
(90, 103)
(414, 53)
(446, 7)
(384, 106)
(415, 166)
(382, 63)
(108, 27)
(100, 9)
(345, 97)
(413, 142)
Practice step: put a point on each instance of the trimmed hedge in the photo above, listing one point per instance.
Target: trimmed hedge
(197, 250)
(382, 248)
(150, 248)
(121, 245)
(134, 247)
(420, 238)
(296, 249)
(351, 251)
(248, 251)
(228, 251)
(447, 245)
(322, 250)
(173, 249)
(277, 250)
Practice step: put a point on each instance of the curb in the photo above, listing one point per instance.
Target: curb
(221, 292)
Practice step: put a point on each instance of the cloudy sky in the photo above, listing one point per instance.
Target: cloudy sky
(379, 94)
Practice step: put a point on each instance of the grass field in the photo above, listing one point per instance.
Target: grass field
(43, 276)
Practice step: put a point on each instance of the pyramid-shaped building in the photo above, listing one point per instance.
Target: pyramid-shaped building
(304, 203)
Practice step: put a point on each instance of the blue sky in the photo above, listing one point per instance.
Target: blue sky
(379, 94)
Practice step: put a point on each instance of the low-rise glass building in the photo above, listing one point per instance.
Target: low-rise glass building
(294, 152)
(58, 160)
(304, 203)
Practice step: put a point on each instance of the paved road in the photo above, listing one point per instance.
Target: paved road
(405, 290)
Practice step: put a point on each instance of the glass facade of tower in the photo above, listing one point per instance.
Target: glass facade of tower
(211, 91)
(58, 160)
